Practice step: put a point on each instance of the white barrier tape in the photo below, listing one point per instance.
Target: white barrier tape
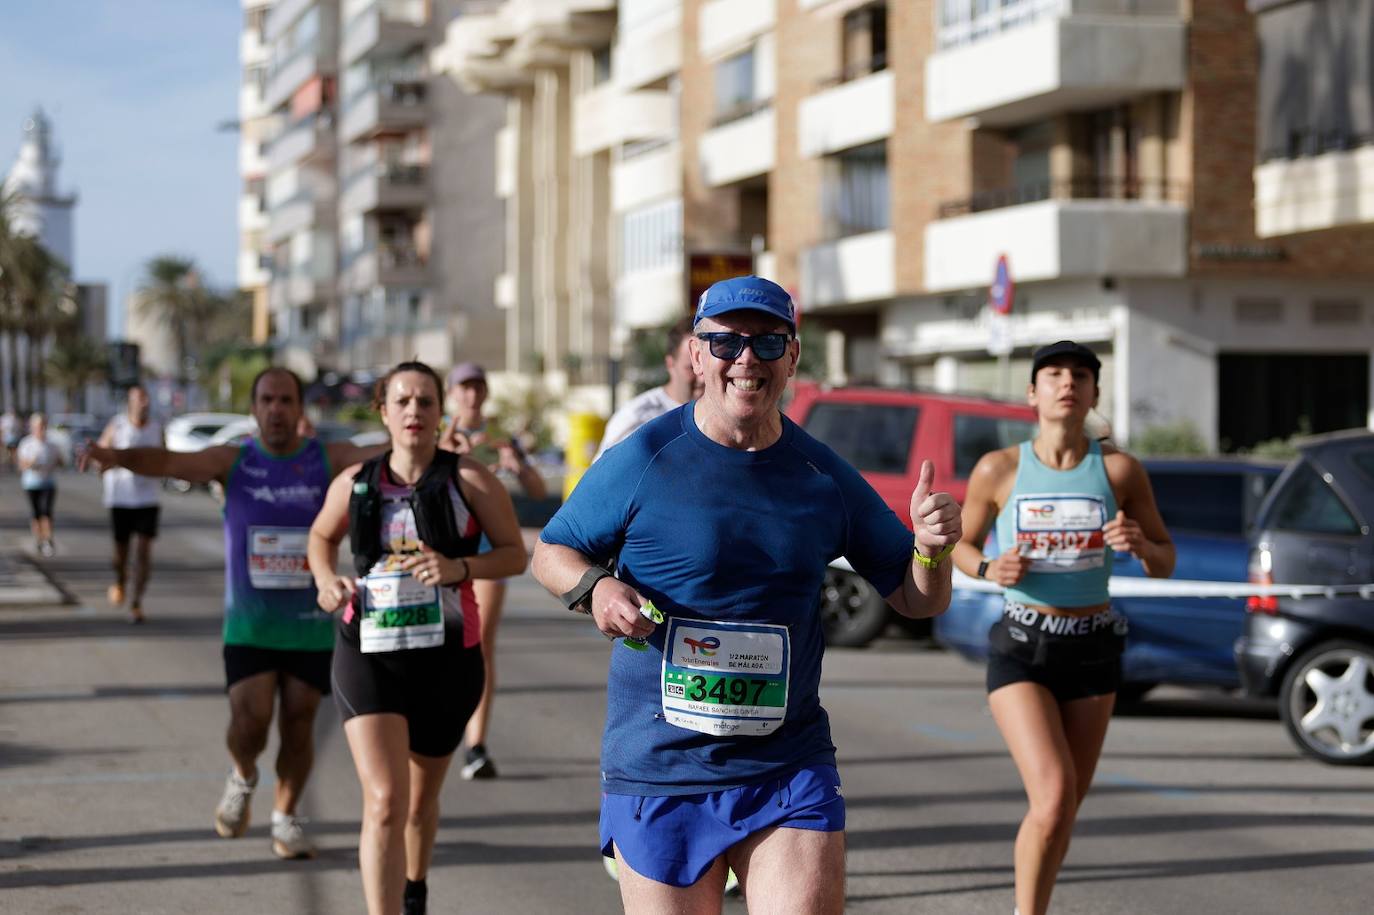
(1130, 586)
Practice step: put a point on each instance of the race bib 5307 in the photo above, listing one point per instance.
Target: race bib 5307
(1061, 533)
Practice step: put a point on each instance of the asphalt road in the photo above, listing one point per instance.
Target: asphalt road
(112, 759)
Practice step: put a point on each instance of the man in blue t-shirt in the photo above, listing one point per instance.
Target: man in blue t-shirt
(724, 515)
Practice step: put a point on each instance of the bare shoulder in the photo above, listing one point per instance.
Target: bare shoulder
(996, 466)
(1119, 464)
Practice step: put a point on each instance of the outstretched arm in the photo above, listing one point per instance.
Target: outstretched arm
(191, 466)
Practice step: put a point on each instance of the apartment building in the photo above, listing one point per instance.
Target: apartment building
(369, 221)
(881, 158)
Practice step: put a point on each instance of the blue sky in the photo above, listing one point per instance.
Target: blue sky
(136, 90)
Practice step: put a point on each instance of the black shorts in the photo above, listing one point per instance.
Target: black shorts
(1023, 648)
(125, 522)
(41, 501)
(436, 689)
(244, 661)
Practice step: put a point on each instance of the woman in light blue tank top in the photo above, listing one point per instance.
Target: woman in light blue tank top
(1063, 504)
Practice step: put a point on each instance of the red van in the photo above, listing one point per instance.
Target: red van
(886, 434)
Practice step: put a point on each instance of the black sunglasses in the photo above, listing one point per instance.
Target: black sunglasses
(767, 347)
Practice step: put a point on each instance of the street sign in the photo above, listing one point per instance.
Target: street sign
(1003, 291)
(999, 334)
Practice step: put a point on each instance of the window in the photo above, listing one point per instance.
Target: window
(856, 194)
(1309, 505)
(864, 47)
(651, 236)
(601, 65)
(1364, 462)
(1212, 503)
(735, 86)
(872, 437)
(975, 436)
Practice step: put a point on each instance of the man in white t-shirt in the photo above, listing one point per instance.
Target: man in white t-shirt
(683, 385)
(132, 500)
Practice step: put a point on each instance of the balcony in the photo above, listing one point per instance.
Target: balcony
(728, 25)
(289, 73)
(606, 117)
(387, 28)
(653, 174)
(305, 288)
(252, 49)
(252, 105)
(252, 214)
(501, 49)
(648, 50)
(650, 298)
(309, 139)
(389, 264)
(847, 115)
(386, 186)
(394, 105)
(1059, 232)
(1065, 54)
(739, 149)
(251, 274)
(298, 213)
(1322, 191)
(849, 271)
(283, 15)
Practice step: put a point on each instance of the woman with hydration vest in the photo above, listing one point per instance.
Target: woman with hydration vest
(408, 667)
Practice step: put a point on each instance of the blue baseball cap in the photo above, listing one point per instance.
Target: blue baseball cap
(746, 293)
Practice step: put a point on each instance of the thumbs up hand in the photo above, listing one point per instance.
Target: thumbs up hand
(935, 516)
(1123, 535)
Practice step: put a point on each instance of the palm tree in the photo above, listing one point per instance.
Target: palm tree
(8, 310)
(75, 362)
(43, 305)
(172, 294)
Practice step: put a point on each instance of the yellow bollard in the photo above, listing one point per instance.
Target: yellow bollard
(584, 435)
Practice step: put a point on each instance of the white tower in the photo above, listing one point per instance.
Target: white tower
(40, 210)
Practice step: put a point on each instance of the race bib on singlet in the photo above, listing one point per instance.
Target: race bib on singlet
(1061, 533)
(276, 558)
(725, 679)
(399, 612)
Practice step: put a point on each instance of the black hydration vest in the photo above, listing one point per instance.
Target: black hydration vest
(430, 501)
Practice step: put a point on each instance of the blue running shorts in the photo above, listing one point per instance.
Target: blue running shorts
(676, 839)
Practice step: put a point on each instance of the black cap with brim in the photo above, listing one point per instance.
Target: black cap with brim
(1065, 348)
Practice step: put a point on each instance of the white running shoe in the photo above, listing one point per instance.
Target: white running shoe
(289, 840)
(234, 810)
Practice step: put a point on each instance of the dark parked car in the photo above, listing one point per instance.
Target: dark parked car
(1316, 654)
(1208, 506)
(886, 434)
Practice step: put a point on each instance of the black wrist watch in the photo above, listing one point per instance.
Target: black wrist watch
(579, 599)
(983, 568)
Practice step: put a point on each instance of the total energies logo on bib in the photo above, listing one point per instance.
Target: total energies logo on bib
(706, 646)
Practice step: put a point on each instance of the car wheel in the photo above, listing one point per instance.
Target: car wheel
(853, 613)
(1327, 703)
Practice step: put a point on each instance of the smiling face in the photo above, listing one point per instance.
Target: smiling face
(741, 395)
(1064, 389)
(411, 410)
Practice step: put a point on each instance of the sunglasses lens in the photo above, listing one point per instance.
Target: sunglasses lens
(769, 346)
(726, 346)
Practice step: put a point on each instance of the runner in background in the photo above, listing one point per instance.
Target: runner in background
(683, 385)
(470, 433)
(38, 460)
(133, 500)
(277, 643)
